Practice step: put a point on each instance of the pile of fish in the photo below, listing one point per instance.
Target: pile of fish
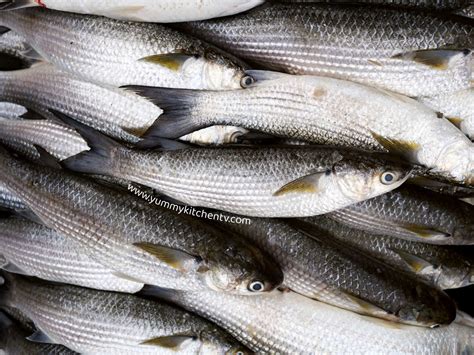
(236, 176)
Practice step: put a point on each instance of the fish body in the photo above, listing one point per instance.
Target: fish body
(215, 135)
(252, 181)
(11, 111)
(147, 10)
(13, 340)
(445, 267)
(39, 251)
(318, 268)
(425, 4)
(397, 50)
(457, 107)
(9, 200)
(414, 214)
(124, 53)
(98, 322)
(288, 323)
(139, 242)
(324, 111)
(116, 112)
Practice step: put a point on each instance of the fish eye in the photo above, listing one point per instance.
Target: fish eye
(388, 178)
(256, 286)
(246, 81)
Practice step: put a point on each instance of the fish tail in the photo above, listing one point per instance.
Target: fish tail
(98, 159)
(177, 118)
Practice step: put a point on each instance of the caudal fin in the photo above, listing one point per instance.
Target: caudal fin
(177, 118)
(98, 159)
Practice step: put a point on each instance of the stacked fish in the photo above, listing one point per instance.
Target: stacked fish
(293, 177)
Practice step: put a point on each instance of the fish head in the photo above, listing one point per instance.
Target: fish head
(218, 71)
(215, 341)
(361, 178)
(431, 307)
(456, 160)
(241, 268)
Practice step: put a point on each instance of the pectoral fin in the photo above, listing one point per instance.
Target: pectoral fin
(170, 342)
(40, 337)
(12, 268)
(305, 184)
(425, 232)
(171, 61)
(177, 259)
(455, 121)
(441, 59)
(416, 264)
(405, 149)
(364, 306)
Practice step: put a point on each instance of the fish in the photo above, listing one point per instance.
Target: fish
(162, 11)
(9, 200)
(125, 53)
(13, 340)
(443, 266)
(423, 4)
(467, 12)
(253, 181)
(317, 267)
(56, 138)
(119, 113)
(33, 249)
(153, 244)
(14, 45)
(457, 107)
(324, 111)
(215, 135)
(289, 323)
(11, 111)
(412, 53)
(415, 214)
(98, 322)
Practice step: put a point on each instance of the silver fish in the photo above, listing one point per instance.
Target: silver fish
(288, 323)
(402, 51)
(98, 322)
(116, 112)
(9, 200)
(458, 107)
(426, 4)
(414, 214)
(445, 267)
(138, 241)
(32, 249)
(11, 111)
(143, 10)
(324, 111)
(252, 181)
(317, 267)
(13, 340)
(215, 135)
(125, 53)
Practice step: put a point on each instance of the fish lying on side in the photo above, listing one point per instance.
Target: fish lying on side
(12, 111)
(13, 340)
(116, 112)
(99, 322)
(445, 267)
(143, 10)
(457, 107)
(9, 200)
(142, 243)
(413, 53)
(425, 4)
(317, 267)
(414, 214)
(324, 111)
(125, 53)
(288, 323)
(32, 249)
(251, 181)
(215, 135)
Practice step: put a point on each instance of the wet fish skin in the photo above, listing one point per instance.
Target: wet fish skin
(125, 53)
(15, 45)
(324, 111)
(11, 111)
(317, 267)
(116, 112)
(41, 252)
(285, 322)
(215, 135)
(91, 321)
(8, 200)
(148, 10)
(414, 214)
(251, 181)
(457, 107)
(13, 341)
(445, 267)
(356, 43)
(426, 4)
(138, 241)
